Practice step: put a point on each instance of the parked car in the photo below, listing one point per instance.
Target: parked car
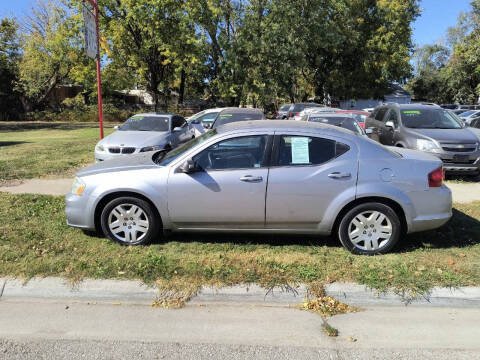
(369, 110)
(346, 121)
(470, 115)
(459, 111)
(310, 110)
(142, 133)
(430, 129)
(294, 113)
(268, 177)
(229, 115)
(205, 117)
(360, 116)
(282, 113)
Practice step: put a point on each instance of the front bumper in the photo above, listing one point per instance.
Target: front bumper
(469, 164)
(106, 155)
(78, 212)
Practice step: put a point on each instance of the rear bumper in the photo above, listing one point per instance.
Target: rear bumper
(433, 208)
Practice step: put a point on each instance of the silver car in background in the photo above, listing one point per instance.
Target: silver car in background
(266, 177)
(144, 132)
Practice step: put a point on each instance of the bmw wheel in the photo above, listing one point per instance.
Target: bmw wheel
(130, 221)
(370, 229)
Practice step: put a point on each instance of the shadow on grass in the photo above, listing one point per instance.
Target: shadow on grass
(461, 231)
(24, 126)
(255, 239)
(11, 143)
(463, 178)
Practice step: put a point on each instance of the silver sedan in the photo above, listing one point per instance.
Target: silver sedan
(269, 177)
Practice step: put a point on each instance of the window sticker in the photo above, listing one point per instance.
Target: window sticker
(136, 118)
(300, 153)
(226, 115)
(412, 112)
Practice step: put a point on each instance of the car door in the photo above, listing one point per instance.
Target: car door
(387, 133)
(228, 190)
(308, 173)
(183, 134)
(375, 122)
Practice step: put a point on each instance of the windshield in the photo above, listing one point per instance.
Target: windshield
(196, 116)
(468, 113)
(228, 117)
(163, 158)
(429, 119)
(145, 123)
(346, 123)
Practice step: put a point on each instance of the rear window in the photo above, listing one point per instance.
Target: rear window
(228, 117)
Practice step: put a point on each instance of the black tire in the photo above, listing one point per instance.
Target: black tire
(154, 222)
(386, 210)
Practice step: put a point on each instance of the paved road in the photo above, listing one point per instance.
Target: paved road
(462, 192)
(32, 328)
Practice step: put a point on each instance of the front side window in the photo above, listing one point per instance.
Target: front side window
(244, 152)
(178, 122)
(208, 118)
(145, 123)
(305, 150)
(392, 116)
(380, 114)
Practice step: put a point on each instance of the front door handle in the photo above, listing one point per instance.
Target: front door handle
(339, 175)
(250, 178)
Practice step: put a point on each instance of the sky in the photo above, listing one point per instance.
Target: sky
(429, 28)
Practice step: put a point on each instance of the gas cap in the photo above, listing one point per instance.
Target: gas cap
(387, 174)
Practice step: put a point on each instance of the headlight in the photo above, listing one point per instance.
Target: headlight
(99, 148)
(426, 145)
(151, 148)
(78, 186)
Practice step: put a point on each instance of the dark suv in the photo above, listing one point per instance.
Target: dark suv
(428, 128)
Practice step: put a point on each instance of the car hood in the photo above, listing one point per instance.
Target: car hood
(452, 136)
(135, 139)
(121, 163)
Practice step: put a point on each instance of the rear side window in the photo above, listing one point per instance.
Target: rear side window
(305, 150)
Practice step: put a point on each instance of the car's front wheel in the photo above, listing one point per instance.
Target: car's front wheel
(369, 229)
(130, 221)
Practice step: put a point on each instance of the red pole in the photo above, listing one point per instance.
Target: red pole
(99, 79)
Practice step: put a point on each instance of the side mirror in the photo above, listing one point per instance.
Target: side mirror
(390, 124)
(187, 167)
(177, 129)
(116, 127)
(369, 131)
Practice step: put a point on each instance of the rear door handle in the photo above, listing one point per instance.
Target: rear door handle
(250, 178)
(339, 175)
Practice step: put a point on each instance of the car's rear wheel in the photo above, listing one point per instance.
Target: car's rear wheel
(130, 221)
(369, 229)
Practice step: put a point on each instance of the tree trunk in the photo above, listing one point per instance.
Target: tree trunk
(182, 87)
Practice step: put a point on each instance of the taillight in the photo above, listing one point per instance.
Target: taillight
(297, 114)
(290, 114)
(436, 177)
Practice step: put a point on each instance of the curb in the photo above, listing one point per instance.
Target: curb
(137, 292)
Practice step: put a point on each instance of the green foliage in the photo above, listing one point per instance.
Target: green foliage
(456, 79)
(9, 57)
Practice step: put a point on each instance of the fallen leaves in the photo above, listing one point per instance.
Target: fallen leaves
(326, 306)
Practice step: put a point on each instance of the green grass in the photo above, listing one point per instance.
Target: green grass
(45, 152)
(35, 241)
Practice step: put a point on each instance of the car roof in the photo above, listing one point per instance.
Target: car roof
(157, 114)
(235, 110)
(331, 115)
(283, 125)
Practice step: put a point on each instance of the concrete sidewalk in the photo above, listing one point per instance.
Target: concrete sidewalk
(135, 292)
(462, 192)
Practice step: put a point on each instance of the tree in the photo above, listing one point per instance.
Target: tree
(9, 57)
(51, 49)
